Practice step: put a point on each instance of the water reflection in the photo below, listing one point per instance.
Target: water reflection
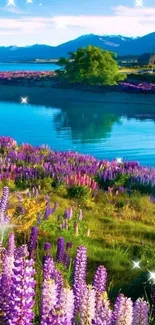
(87, 125)
(120, 125)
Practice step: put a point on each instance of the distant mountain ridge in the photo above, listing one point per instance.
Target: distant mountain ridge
(117, 43)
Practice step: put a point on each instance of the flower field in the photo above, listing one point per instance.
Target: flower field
(76, 238)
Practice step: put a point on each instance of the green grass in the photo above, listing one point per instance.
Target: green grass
(122, 229)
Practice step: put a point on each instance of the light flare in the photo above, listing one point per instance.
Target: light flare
(11, 3)
(136, 265)
(24, 100)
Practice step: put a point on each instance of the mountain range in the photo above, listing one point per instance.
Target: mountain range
(116, 43)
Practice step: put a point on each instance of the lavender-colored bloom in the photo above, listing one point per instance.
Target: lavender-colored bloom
(59, 282)
(123, 311)
(48, 268)
(32, 244)
(48, 301)
(100, 279)
(153, 302)
(79, 280)
(68, 213)
(28, 193)
(3, 204)
(103, 313)
(6, 279)
(80, 265)
(60, 250)
(21, 300)
(140, 313)
(19, 196)
(87, 306)
(54, 207)
(69, 305)
(67, 258)
(47, 246)
(47, 211)
(11, 245)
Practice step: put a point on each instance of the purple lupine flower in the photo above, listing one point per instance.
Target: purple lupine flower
(100, 279)
(60, 250)
(80, 265)
(59, 282)
(47, 211)
(32, 244)
(28, 193)
(67, 257)
(4, 203)
(48, 300)
(48, 268)
(79, 280)
(47, 247)
(21, 210)
(67, 214)
(103, 314)
(54, 207)
(21, 300)
(19, 196)
(123, 311)
(140, 313)
(6, 280)
(11, 244)
(153, 302)
(87, 306)
(69, 305)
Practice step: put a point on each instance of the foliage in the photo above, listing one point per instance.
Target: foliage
(91, 65)
(78, 192)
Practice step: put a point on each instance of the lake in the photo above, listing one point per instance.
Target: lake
(121, 125)
(12, 67)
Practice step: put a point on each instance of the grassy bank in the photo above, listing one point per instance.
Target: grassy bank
(121, 231)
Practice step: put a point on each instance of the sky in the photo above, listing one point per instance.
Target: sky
(54, 22)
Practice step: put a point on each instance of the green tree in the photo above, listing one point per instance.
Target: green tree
(91, 65)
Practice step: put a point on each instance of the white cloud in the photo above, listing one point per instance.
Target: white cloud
(125, 21)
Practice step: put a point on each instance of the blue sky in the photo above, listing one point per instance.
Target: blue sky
(56, 21)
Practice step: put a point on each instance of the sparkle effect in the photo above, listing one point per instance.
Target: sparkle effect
(139, 3)
(152, 277)
(136, 265)
(119, 161)
(11, 3)
(61, 23)
(29, 1)
(24, 100)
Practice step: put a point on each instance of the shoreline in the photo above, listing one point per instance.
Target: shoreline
(53, 96)
(49, 79)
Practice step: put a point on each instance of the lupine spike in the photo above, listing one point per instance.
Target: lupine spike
(32, 244)
(60, 250)
(140, 313)
(22, 292)
(123, 311)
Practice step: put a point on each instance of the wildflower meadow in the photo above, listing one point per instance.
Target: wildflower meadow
(76, 239)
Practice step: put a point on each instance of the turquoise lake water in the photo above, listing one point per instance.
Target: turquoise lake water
(27, 67)
(123, 125)
(103, 130)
